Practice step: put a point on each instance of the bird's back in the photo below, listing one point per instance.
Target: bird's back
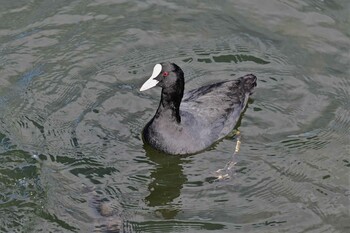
(215, 109)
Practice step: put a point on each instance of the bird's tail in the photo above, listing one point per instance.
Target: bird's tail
(249, 82)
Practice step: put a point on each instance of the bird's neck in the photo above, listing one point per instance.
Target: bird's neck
(169, 105)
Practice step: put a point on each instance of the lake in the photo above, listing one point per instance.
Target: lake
(72, 157)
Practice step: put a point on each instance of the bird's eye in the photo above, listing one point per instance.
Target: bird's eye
(165, 74)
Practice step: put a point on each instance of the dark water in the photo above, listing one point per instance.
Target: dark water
(71, 155)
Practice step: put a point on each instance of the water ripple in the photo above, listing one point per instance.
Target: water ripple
(72, 157)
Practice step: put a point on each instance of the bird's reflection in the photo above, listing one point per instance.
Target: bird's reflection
(167, 181)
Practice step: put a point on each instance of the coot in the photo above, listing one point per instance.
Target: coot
(186, 123)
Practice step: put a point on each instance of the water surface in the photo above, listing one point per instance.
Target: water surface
(71, 154)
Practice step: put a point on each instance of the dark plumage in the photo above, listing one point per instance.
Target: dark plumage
(188, 123)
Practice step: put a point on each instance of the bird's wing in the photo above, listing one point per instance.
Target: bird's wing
(213, 105)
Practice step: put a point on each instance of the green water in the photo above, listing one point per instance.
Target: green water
(71, 154)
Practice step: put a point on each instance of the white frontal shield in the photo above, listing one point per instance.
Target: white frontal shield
(151, 82)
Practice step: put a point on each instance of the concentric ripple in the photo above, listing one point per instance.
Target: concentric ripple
(72, 157)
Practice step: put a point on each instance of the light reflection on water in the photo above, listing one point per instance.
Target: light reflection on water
(71, 153)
